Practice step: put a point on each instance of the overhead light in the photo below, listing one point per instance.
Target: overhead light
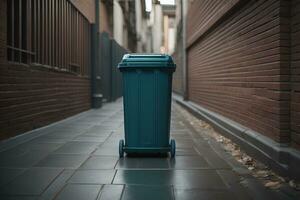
(148, 4)
(167, 2)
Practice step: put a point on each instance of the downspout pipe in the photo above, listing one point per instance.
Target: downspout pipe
(96, 94)
(184, 59)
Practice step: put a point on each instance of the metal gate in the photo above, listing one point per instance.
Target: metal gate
(111, 54)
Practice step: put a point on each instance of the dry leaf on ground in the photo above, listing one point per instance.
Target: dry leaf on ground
(273, 184)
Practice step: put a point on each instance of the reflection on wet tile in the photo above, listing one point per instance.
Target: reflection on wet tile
(137, 192)
(203, 194)
(146, 162)
(203, 179)
(144, 177)
(8, 174)
(63, 161)
(31, 182)
(111, 192)
(77, 148)
(79, 192)
(100, 162)
(189, 162)
(92, 176)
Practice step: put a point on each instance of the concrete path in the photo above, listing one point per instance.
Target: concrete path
(77, 159)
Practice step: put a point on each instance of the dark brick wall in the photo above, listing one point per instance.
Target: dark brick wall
(295, 69)
(2, 31)
(33, 97)
(238, 65)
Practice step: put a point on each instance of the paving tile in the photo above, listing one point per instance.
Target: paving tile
(211, 156)
(144, 177)
(8, 174)
(44, 140)
(204, 179)
(32, 182)
(189, 162)
(100, 162)
(232, 180)
(137, 192)
(21, 160)
(146, 162)
(193, 194)
(71, 161)
(64, 137)
(184, 143)
(33, 146)
(76, 147)
(79, 192)
(186, 152)
(56, 185)
(66, 170)
(18, 197)
(92, 176)
(111, 192)
(83, 138)
(107, 150)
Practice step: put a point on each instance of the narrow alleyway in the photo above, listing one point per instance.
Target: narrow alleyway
(78, 159)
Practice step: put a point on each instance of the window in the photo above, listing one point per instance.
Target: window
(49, 32)
(16, 31)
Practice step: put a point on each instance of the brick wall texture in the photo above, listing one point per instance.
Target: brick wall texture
(2, 31)
(32, 98)
(243, 59)
(295, 72)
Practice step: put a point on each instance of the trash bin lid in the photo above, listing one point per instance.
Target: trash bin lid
(146, 61)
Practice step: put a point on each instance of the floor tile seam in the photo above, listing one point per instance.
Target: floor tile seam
(110, 134)
(53, 180)
(170, 170)
(19, 195)
(84, 161)
(191, 128)
(212, 145)
(99, 192)
(173, 192)
(177, 187)
(114, 176)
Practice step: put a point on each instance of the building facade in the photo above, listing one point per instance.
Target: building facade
(242, 62)
(45, 63)
(58, 58)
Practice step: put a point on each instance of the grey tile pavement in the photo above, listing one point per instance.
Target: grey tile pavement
(78, 159)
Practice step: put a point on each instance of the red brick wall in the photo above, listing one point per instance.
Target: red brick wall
(32, 98)
(240, 66)
(295, 69)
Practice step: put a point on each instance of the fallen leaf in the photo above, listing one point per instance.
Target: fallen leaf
(294, 185)
(262, 173)
(273, 184)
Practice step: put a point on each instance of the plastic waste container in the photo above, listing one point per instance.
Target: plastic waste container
(147, 84)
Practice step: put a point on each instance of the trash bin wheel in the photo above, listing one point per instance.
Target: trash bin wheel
(121, 148)
(173, 148)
